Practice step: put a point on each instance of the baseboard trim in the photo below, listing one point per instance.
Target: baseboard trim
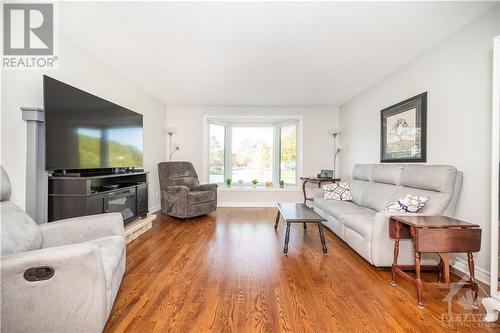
(154, 209)
(480, 274)
(246, 204)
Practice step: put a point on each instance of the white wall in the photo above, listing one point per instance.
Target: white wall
(78, 68)
(457, 75)
(317, 144)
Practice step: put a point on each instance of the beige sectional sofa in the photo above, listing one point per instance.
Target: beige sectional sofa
(363, 224)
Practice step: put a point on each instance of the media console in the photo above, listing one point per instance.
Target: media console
(72, 196)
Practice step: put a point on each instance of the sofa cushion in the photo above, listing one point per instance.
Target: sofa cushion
(19, 232)
(407, 204)
(362, 171)
(197, 197)
(362, 224)
(440, 178)
(112, 249)
(377, 195)
(357, 190)
(337, 191)
(339, 209)
(177, 173)
(436, 204)
(387, 174)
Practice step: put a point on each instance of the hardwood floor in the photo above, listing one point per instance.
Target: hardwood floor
(227, 273)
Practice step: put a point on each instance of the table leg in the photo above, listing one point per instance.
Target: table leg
(305, 226)
(287, 237)
(445, 258)
(440, 270)
(277, 220)
(304, 190)
(418, 280)
(396, 254)
(322, 237)
(472, 280)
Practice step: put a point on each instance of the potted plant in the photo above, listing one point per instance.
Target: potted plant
(228, 182)
(240, 182)
(269, 184)
(255, 182)
(282, 183)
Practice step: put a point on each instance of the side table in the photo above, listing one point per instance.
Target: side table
(315, 180)
(436, 234)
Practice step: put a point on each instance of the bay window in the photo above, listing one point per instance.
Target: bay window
(216, 144)
(288, 153)
(242, 150)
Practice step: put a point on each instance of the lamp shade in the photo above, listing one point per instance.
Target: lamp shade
(334, 131)
(170, 130)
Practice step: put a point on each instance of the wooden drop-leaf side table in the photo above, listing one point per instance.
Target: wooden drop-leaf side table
(435, 234)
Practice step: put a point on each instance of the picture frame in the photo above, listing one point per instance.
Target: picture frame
(326, 174)
(403, 131)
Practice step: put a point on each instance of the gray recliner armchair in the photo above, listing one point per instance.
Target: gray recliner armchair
(182, 195)
(61, 276)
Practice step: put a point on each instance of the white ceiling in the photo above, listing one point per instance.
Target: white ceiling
(258, 53)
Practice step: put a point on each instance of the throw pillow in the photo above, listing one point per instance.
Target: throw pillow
(337, 191)
(407, 204)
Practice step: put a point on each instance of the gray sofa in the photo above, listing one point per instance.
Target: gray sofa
(86, 256)
(362, 222)
(182, 196)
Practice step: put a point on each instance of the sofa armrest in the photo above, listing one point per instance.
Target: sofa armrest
(381, 225)
(207, 187)
(81, 229)
(73, 299)
(383, 245)
(170, 195)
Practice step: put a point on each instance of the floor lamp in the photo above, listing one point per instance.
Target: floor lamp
(336, 151)
(171, 131)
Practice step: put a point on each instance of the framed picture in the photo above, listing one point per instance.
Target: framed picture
(403, 131)
(327, 174)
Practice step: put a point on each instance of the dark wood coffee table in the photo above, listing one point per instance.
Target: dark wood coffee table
(299, 213)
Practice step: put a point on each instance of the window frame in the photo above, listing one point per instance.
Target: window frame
(207, 169)
(277, 137)
(275, 122)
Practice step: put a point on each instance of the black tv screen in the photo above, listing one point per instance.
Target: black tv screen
(83, 131)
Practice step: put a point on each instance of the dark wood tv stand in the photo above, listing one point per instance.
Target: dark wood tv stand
(72, 196)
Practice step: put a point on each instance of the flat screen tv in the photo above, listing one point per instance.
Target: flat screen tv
(83, 131)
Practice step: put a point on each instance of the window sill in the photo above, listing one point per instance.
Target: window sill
(224, 188)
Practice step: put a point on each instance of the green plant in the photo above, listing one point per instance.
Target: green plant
(282, 183)
(229, 181)
(255, 181)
